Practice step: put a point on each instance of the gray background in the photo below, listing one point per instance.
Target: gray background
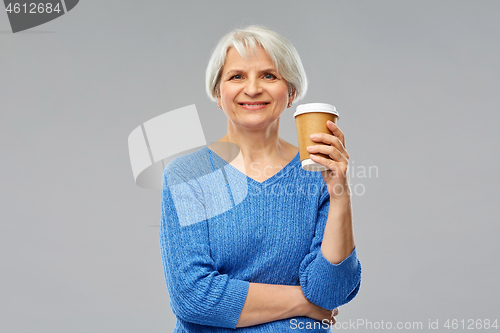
(417, 86)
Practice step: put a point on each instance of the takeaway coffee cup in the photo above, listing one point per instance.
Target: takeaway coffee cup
(311, 118)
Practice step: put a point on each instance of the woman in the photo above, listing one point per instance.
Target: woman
(254, 250)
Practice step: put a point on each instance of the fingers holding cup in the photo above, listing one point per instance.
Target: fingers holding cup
(332, 140)
(332, 152)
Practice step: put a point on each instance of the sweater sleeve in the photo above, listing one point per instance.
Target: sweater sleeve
(323, 283)
(198, 293)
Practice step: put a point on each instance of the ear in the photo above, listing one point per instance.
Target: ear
(291, 95)
(219, 104)
(217, 95)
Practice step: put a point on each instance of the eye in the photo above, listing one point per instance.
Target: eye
(270, 76)
(236, 77)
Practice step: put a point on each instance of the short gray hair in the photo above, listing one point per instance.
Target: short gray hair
(283, 54)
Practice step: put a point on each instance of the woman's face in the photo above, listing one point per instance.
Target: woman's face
(251, 92)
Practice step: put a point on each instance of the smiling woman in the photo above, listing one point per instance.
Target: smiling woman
(255, 251)
(252, 94)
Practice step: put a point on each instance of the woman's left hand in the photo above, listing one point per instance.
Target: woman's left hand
(336, 178)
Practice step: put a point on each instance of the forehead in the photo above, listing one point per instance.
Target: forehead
(259, 59)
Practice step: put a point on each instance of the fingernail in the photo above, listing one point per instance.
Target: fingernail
(330, 122)
(313, 136)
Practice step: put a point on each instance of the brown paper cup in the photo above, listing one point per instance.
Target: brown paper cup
(311, 118)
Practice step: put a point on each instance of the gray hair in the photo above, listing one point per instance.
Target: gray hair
(282, 53)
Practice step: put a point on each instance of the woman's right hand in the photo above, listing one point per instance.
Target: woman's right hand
(306, 308)
(318, 313)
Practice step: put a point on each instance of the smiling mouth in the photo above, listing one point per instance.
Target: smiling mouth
(253, 104)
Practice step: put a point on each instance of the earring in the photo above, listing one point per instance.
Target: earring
(289, 104)
(220, 107)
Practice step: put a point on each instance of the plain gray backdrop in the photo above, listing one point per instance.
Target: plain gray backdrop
(417, 87)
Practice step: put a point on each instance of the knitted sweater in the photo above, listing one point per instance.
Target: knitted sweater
(221, 230)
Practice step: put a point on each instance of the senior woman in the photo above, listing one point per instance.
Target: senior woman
(247, 245)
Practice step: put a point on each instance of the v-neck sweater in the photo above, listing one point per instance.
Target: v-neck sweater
(221, 230)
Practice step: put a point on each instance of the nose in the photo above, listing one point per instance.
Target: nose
(252, 87)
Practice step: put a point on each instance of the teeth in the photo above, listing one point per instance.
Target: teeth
(255, 104)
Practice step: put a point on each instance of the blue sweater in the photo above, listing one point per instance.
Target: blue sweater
(221, 230)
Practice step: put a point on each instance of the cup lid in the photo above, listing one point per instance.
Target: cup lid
(315, 107)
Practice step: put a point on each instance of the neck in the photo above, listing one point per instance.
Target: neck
(257, 144)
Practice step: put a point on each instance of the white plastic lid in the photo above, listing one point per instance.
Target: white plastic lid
(316, 107)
